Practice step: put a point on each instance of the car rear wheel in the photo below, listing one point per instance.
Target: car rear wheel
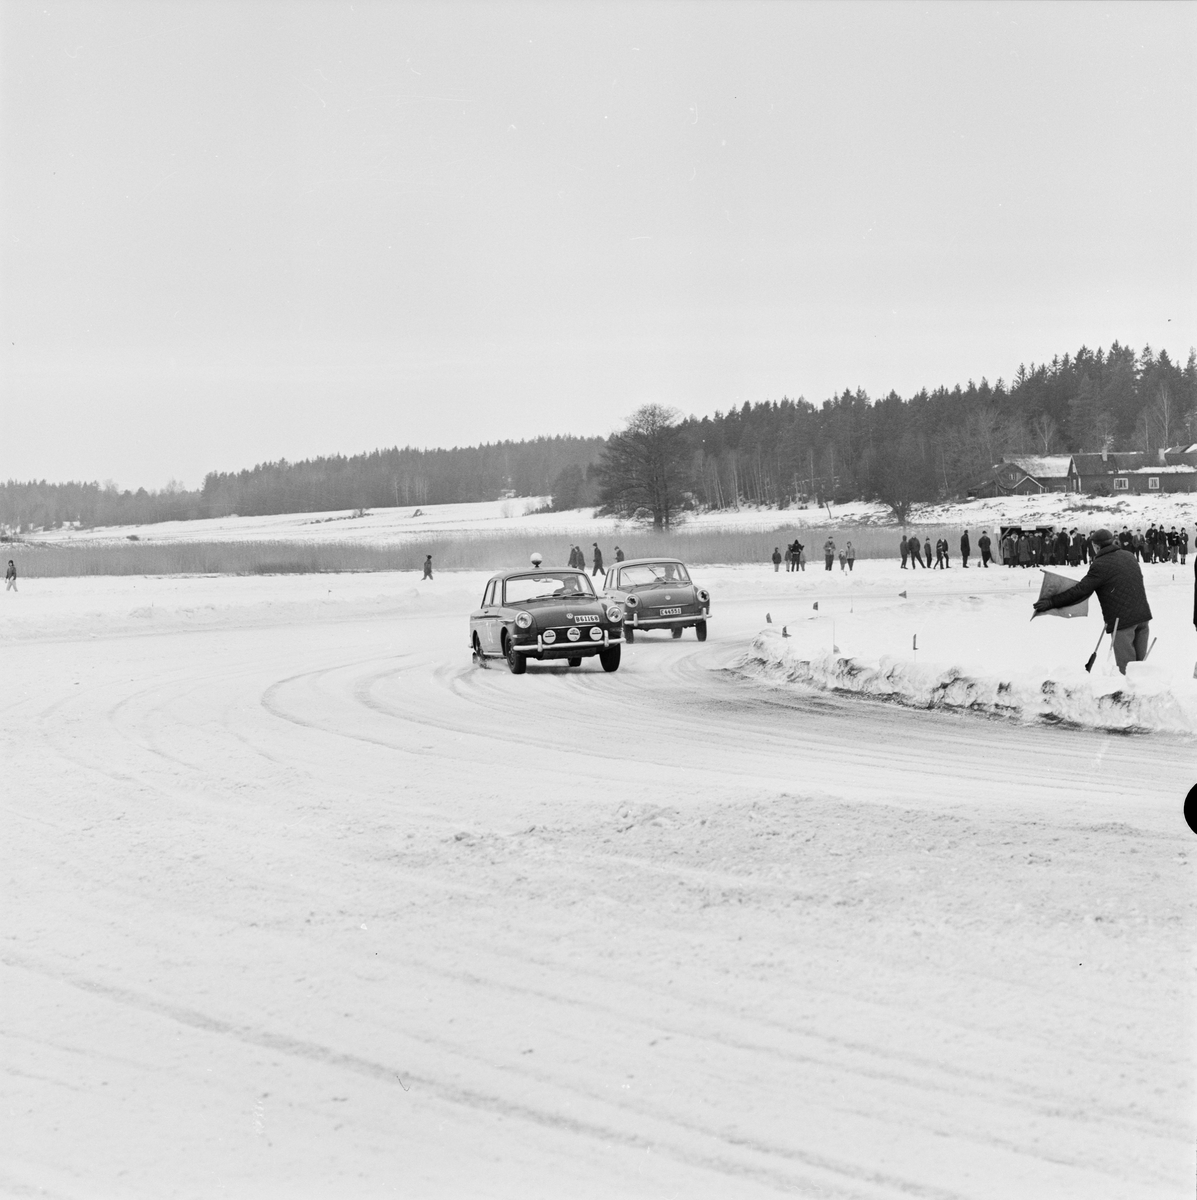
(629, 634)
(477, 649)
(610, 658)
(700, 628)
(574, 662)
(677, 631)
(517, 662)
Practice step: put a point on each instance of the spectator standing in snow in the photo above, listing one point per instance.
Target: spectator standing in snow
(940, 547)
(1024, 550)
(10, 577)
(598, 561)
(927, 550)
(828, 554)
(428, 567)
(800, 555)
(984, 544)
(1117, 578)
(618, 554)
(776, 558)
(904, 550)
(843, 560)
(1009, 551)
(1182, 544)
(916, 553)
(1173, 544)
(851, 557)
(789, 558)
(965, 548)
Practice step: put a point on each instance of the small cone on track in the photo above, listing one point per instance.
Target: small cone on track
(902, 594)
(785, 632)
(768, 619)
(815, 606)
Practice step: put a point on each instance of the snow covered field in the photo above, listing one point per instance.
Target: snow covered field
(299, 902)
(390, 525)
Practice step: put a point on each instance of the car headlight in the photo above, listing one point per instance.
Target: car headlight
(614, 615)
(550, 636)
(523, 620)
(631, 602)
(704, 597)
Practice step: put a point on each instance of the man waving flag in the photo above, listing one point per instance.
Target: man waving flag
(1116, 578)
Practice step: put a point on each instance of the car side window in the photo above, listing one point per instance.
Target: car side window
(489, 595)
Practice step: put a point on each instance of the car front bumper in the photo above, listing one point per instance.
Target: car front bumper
(638, 622)
(566, 649)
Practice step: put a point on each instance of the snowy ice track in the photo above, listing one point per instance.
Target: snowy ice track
(321, 908)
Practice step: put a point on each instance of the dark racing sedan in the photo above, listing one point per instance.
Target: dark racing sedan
(545, 614)
(658, 593)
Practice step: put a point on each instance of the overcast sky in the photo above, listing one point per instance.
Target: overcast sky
(238, 232)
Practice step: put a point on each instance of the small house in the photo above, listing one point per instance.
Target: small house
(1109, 472)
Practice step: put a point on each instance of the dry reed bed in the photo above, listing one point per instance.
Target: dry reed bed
(461, 551)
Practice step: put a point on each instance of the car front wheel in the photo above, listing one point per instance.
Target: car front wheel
(517, 662)
(610, 658)
(700, 628)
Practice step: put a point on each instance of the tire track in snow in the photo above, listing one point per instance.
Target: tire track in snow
(832, 1178)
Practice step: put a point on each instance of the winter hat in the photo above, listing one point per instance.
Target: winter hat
(1103, 537)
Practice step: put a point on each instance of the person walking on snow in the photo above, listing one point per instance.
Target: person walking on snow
(10, 577)
(776, 558)
(964, 548)
(984, 544)
(428, 567)
(828, 553)
(598, 561)
(1116, 577)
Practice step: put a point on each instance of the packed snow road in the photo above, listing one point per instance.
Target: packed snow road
(300, 902)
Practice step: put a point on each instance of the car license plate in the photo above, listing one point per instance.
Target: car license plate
(671, 612)
(589, 619)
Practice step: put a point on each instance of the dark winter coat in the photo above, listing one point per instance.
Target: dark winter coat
(1118, 581)
(598, 559)
(964, 549)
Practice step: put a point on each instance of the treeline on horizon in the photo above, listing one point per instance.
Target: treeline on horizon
(929, 446)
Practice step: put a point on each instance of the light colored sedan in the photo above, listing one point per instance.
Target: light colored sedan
(657, 593)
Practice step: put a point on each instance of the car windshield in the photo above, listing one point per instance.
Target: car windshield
(519, 589)
(648, 574)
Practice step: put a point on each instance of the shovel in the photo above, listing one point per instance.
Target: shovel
(1093, 656)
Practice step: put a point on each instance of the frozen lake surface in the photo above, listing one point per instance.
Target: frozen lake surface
(300, 902)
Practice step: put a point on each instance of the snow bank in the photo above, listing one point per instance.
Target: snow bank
(1146, 699)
